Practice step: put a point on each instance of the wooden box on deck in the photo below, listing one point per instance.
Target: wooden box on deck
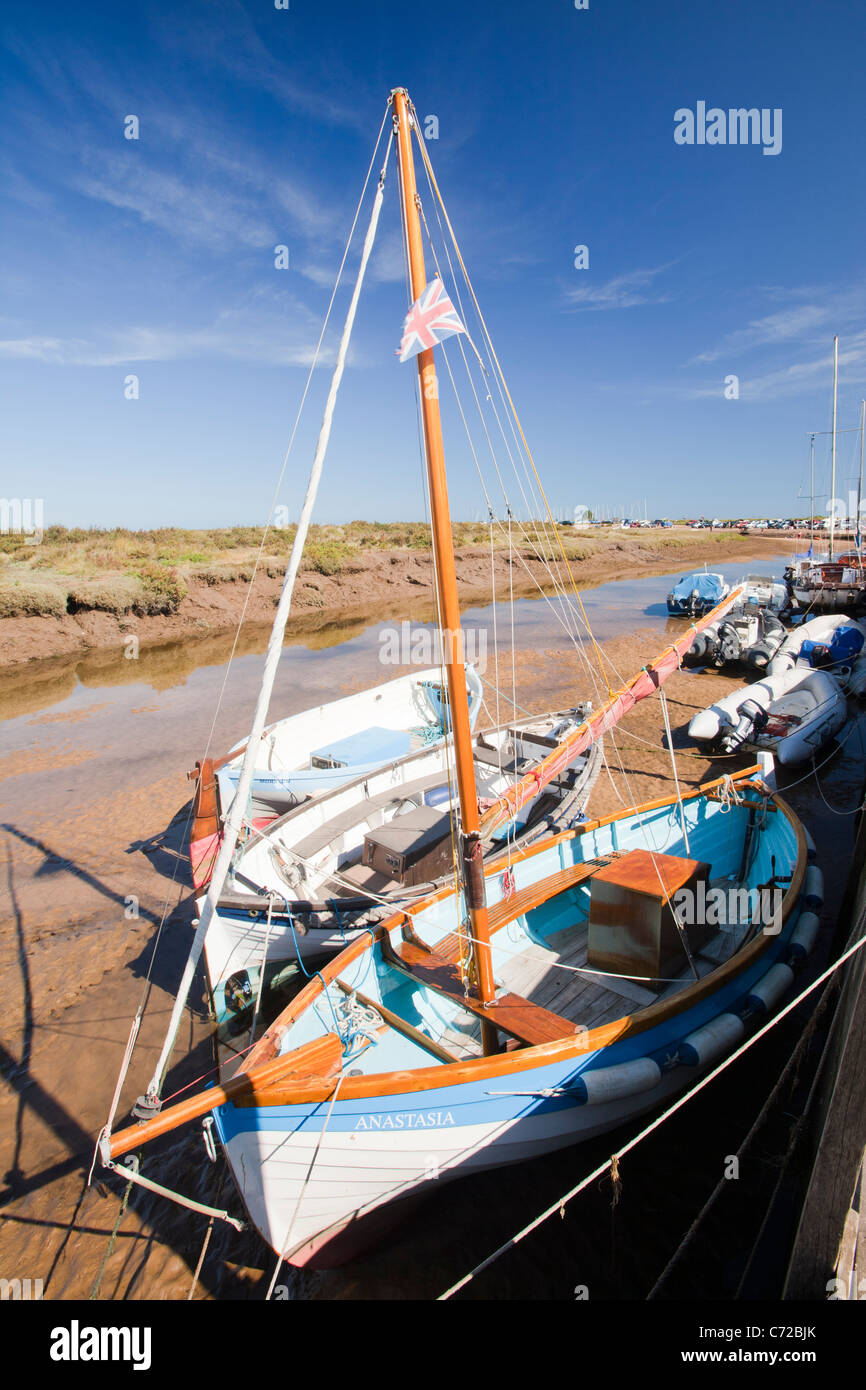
(632, 930)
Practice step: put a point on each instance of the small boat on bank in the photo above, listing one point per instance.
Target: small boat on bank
(832, 642)
(767, 593)
(791, 714)
(311, 753)
(330, 869)
(835, 584)
(749, 637)
(831, 586)
(695, 594)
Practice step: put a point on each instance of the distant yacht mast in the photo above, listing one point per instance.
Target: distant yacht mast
(833, 479)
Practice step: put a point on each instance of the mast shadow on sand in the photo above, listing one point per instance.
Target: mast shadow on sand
(181, 1165)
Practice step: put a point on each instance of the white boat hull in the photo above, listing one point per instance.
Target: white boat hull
(302, 1190)
(813, 698)
(237, 941)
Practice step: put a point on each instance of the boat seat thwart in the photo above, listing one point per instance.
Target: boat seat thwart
(438, 967)
(513, 1014)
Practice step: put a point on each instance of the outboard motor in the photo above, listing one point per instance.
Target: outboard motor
(704, 648)
(752, 719)
(761, 653)
(729, 645)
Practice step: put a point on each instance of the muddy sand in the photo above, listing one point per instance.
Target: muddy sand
(74, 962)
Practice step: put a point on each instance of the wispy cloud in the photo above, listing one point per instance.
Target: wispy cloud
(626, 291)
(197, 214)
(240, 334)
(783, 327)
(811, 315)
(795, 378)
(201, 181)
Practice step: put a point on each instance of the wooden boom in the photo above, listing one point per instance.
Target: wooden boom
(607, 716)
(308, 1067)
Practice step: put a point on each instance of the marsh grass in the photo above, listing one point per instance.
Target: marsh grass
(119, 571)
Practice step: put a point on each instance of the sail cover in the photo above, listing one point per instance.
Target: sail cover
(646, 682)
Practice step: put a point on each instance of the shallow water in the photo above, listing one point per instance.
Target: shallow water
(339, 653)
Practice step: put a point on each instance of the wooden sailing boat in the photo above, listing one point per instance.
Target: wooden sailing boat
(312, 753)
(508, 1013)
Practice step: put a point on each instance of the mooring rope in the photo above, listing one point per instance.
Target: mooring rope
(599, 1172)
(792, 1062)
(303, 1190)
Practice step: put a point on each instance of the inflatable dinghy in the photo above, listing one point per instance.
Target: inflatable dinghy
(831, 642)
(747, 636)
(792, 714)
(765, 591)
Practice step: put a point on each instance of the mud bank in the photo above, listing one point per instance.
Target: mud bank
(395, 583)
(76, 852)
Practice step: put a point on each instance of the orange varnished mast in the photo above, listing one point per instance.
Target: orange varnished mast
(446, 579)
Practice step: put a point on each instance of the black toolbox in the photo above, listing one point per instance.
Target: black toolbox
(412, 848)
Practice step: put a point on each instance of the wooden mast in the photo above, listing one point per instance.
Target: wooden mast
(446, 582)
(812, 499)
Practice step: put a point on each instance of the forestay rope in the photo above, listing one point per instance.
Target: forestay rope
(235, 818)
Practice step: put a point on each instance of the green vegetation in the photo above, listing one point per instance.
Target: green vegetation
(18, 598)
(149, 572)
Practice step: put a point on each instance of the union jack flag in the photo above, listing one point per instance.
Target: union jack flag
(431, 318)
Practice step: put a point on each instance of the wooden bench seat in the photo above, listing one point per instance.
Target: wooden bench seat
(438, 967)
(359, 813)
(511, 1013)
(534, 894)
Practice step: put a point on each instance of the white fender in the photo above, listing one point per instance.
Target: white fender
(813, 889)
(717, 1037)
(769, 990)
(613, 1083)
(768, 768)
(803, 936)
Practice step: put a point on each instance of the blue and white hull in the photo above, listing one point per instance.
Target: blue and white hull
(389, 1122)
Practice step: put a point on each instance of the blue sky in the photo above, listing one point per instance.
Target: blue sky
(556, 128)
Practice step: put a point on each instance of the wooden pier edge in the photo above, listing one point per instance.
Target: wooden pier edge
(838, 1119)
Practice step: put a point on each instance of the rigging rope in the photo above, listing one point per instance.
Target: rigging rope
(501, 378)
(136, 1023)
(235, 816)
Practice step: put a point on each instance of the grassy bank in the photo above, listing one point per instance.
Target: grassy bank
(149, 573)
